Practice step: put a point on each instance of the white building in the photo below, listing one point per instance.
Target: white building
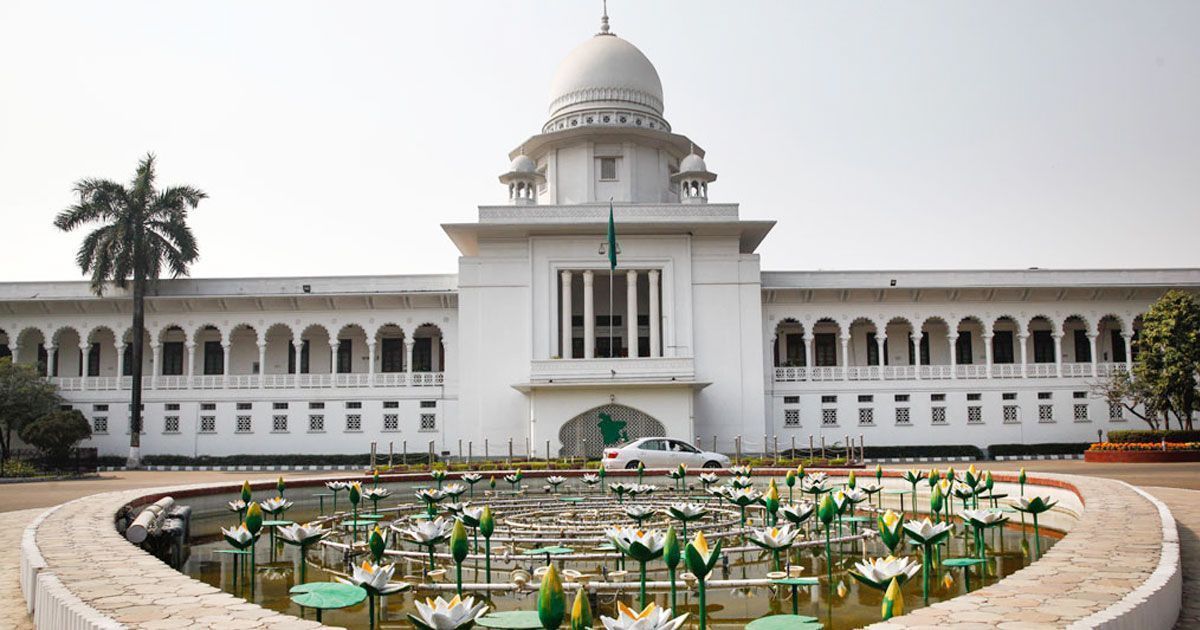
(522, 343)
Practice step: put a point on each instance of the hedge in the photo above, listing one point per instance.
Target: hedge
(950, 450)
(1146, 435)
(265, 460)
(1047, 448)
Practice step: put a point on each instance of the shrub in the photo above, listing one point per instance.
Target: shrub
(1047, 448)
(56, 433)
(1145, 446)
(950, 450)
(1153, 436)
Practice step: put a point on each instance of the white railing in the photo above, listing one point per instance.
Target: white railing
(937, 372)
(391, 379)
(105, 383)
(211, 381)
(170, 382)
(791, 374)
(605, 369)
(1007, 370)
(863, 373)
(1077, 369)
(353, 380)
(971, 370)
(1109, 369)
(68, 383)
(900, 372)
(278, 381)
(1041, 370)
(825, 373)
(428, 379)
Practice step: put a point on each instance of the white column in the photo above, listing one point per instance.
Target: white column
(631, 324)
(333, 346)
(655, 317)
(435, 353)
(156, 362)
(1058, 354)
(226, 347)
(987, 351)
(781, 348)
(952, 339)
(1023, 339)
(120, 360)
(881, 339)
(589, 317)
(845, 356)
(1092, 345)
(1128, 337)
(262, 364)
(408, 356)
(371, 362)
(808, 352)
(84, 351)
(566, 327)
(189, 361)
(916, 351)
(298, 344)
(15, 349)
(51, 361)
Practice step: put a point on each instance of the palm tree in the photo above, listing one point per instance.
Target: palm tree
(142, 229)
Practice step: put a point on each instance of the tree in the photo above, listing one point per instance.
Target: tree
(24, 397)
(142, 231)
(1169, 354)
(56, 433)
(1164, 379)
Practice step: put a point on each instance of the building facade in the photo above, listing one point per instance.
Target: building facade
(537, 336)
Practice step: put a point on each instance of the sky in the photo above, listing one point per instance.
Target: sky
(333, 138)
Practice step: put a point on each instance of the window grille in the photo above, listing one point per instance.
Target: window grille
(279, 424)
(428, 422)
(354, 422)
(279, 405)
(791, 417)
(428, 404)
(243, 425)
(245, 406)
(316, 423)
(974, 414)
(1081, 413)
(866, 398)
(391, 422)
(208, 424)
(866, 417)
(791, 400)
(1116, 412)
(171, 424)
(1046, 413)
(828, 399)
(316, 405)
(1012, 414)
(391, 404)
(354, 405)
(903, 416)
(100, 424)
(937, 415)
(829, 417)
(208, 406)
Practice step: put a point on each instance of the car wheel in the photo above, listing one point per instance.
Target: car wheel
(712, 463)
(631, 465)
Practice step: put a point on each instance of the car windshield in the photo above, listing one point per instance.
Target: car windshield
(651, 445)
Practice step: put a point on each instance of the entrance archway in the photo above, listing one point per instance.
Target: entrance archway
(590, 432)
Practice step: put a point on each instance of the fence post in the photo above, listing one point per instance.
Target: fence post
(405, 457)
(793, 451)
(547, 453)
(810, 446)
(391, 452)
(714, 448)
(862, 441)
(470, 450)
(822, 447)
(775, 439)
(431, 456)
(510, 440)
(373, 454)
(485, 449)
(460, 449)
(766, 452)
(737, 452)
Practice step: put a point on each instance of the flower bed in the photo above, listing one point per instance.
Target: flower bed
(1143, 452)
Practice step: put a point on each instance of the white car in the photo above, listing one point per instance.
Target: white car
(661, 452)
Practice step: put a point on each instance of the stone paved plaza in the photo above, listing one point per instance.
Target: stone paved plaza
(1087, 572)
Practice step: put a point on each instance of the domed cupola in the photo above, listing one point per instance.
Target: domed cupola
(693, 179)
(522, 180)
(606, 81)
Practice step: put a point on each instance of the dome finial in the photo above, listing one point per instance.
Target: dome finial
(604, 19)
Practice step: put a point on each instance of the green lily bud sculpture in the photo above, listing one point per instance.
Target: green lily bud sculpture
(928, 535)
(851, 480)
(376, 545)
(891, 530)
(581, 611)
(878, 473)
(700, 561)
(1033, 507)
(671, 556)
(1021, 479)
(771, 501)
(641, 546)
(246, 496)
(439, 475)
(254, 523)
(551, 601)
(934, 477)
(641, 468)
(459, 549)
(826, 511)
(355, 492)
(935, 501)
(893, 601)
(280, 486)
(790, 480)
(487, 525)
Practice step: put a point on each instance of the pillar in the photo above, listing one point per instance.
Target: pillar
(298, 344)
(566, 328)
(225, 351)
(1058, 353)
(987, 351)
(952, 339)
(84, 352)
(15, 349)
(156, 362)
(845, 356)
(371, 362)
(916, 351)
(808, 351)
(589, 317)
(1092, 346)
(189, 360)
(1023, 339)
(262, 364)
(780, 348)
(333, 346)
(655, 317)
(51, 361)
(120, 359)
(1128, 337)
(631, 309)
(408, 352)
(435, 353)
(880, 340)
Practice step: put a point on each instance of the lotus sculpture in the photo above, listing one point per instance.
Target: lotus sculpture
(555, 481)
(428, 534)
(375, 580)
(775, 540)
(928, 535)
(303, 536)
(700, 560)
(878, 573)
(651, 617)
(686, 513)
(640, 545)
(439, 614)
(1033, 506)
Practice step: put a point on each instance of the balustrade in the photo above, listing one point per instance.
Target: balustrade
(942, 372)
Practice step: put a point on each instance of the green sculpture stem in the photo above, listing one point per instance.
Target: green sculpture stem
(458, 577)
(926, 566)
(1037, 534)
(828, 559)
(643, 582)
(487, 557)
(701, 603)
(671, 576)
(370, 610)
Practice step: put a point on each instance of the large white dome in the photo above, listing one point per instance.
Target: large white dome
(606, 71)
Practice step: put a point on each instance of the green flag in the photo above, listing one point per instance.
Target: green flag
(612, 239)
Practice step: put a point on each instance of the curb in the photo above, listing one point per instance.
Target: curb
(278, 468)
(998, 458)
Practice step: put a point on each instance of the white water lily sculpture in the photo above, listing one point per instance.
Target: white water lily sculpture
(336, 485)
(376, 494)
(590, 479)
(708, 478)
(637, 489)
(926, 532)
(302, 535)
(428, 532)
(878, 573)
(984, 518)
(817, 477)
(456, 508)
(854, 496)
(743, 496)
(649, 618)
(555, 480)
(511, 478)
(430, 495)
(639, 512)
(797, 513)
(720, 492)
(774, 538)
(741, 482)
(454, 489)
(375, 578)
(274, 505)
(471, 478)
(870, 487)
(239, 537)
(641, 545)
(237, 506)
(812, 485)
(740, 471)
(471, 516)
(687, 512)
(439, 614)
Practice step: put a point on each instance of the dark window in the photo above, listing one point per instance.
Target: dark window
(345, 351)
(93, 360)
(866, 398)
(576, 320)
(643, 320)
(214, 358)
(127, 368)
(279, 405)
(1118, 347)
(974, 396)
(1002, 347)
(963, 349)
(43, 359)
(1045, 395)
(208, 406)
(937, 397)
(825, 350)
(172, 358)
(602, 321)
(391, 404)
(901, 397)
(643, 346)
(1083, 349)
(872, 349)
(423, 355)
(393, 355)
(428, 404)
(354, 405)
(577, 347)
(1009, 396)
(303, 357)
(608, 169)
(1043, 347)
(602, 345)
(1079, 394)
(795, 349)
(791, 400)
(828, 399)
(316, 405)
(172, 406)
(245, 406)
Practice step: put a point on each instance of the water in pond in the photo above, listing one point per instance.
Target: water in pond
(535, 519)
